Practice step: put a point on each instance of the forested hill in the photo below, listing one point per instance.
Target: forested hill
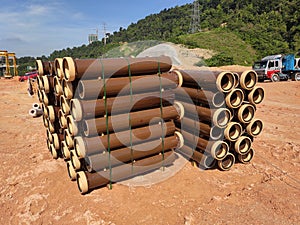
(268, 27)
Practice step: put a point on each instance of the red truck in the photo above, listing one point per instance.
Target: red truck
(31, 75)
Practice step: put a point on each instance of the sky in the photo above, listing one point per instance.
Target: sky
(36, 28)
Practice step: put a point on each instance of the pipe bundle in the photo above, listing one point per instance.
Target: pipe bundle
(219, 125)
(110, 119)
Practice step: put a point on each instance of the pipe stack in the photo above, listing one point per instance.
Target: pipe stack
(114, 117)
(219, 124)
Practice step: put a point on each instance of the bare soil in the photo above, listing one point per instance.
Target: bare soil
(35, 189)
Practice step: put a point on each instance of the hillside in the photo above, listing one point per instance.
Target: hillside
(258, 29)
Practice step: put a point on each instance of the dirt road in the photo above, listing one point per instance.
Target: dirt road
(36, 189)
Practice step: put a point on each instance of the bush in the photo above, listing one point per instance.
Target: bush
(221, 59)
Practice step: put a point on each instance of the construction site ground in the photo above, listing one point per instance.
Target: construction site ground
(35, 189)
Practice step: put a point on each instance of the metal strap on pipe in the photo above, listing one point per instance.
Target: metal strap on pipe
(161, 115)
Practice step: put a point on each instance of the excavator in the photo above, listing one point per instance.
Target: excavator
(8, 56)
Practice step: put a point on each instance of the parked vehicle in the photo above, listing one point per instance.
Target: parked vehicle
(278, 67)
(31, 75)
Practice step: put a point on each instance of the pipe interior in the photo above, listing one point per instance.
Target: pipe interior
(223, 118)
(218, 99)
(256, 127)
(245, 145)
(250, 80)
(81, 90)
(221, 150)
(248, 157)
(248, 114)
(66, 68)
(227, 162)
(236, 98)
(216, 132)
(258, 96)
(234, 132)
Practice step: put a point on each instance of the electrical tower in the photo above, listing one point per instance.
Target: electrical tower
(195, 23)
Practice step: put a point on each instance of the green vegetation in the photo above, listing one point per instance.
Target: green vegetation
(239, 31)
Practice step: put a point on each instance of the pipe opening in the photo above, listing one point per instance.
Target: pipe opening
(256, 127)
(218, 99)
(250, 80)
(76, 110)
(86, 129)
(227, 82)
(57, 86)
(237, 79)
(81, 90)
(248, 114)
(258, 95)
(216, 132)
(71, 172)
(65, 150)
(223, 118)
(247, 157)
(234, 132)
(82, 182)
(220, 150)
(227, 162)
(236, 98)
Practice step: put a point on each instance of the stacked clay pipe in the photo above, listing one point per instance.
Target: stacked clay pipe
(114, 118)
(219, 125)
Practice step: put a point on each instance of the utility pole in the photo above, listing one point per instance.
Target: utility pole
(104, 31)
(195, 23)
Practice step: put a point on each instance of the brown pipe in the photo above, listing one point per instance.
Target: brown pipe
(96, 145)
(75, 128)
(58, 89)
(62, 119)
(198, 128)
(47, 84)
(237, 80)
(217, 149)
(248, 79)
(65, 105)
(93, 68)
(226, 163)
(247, 157)
(242, 145)
(47, 99)
(52, 112)
(45, 121)
(209, 80)
(93, 89)
(219, 117)
(39, 83)
(256, 95)
(246, 113)
(140, 118)
(235, 98)
(49, 136)
(255, 127)
(52, 69)
(205, 161)
(77, 163)
(216, 99)
(88, 181)
(54, 152)
(81, 109)
(43, 68)
(39, 96)
(233, 131)
(58, 63)
(69, 88)
(69, 139)
(71, 171)
(53, 126)
(120, 156)
(65, 150)
(57, 139)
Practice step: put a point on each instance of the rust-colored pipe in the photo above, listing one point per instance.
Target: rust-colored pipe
(96, 145)
(65, 150)
(39, 83)
(57, 139)
(54, 152)
(58, 63)
(237, 80)
(75, 128)
(93, 89)
(247, 158)
(58, 89)
(204, 160)
(81, 109)
(87, 181)
(78, 164)
(45, 121)
(209, 80)
(114, 67)
(69, 139)
(242, 145)
(217, 149)
(62, 119)
(47, 83)
(52, 68)
(219, 117)
(233, 131)
(256, 95)
(246, 113)
(199, 128)
(248, 79)
(49, 136)
(215, 99)
(255, 127)
(65, 105)
(52, 112)
(120, 156)
(226, 163)
(140, 118)
(71, 171)
(69, 88)
(43, 68)
(235, 98)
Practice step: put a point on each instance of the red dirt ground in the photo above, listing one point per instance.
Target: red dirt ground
(36, 189)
